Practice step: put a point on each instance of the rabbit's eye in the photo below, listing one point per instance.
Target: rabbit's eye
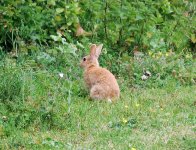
(84, 59)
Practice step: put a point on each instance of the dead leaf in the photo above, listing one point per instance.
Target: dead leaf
(81, 32)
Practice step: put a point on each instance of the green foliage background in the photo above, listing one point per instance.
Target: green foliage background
(122, 24)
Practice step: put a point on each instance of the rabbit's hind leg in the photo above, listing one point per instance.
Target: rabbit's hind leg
(97, 93)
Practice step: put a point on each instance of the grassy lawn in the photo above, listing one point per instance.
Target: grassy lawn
(141, 119)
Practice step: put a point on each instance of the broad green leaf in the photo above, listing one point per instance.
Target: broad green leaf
(51, 2)
(55, 38)
(59, 10)
(58, 18)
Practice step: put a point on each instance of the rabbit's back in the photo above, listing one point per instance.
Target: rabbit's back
(102, 80)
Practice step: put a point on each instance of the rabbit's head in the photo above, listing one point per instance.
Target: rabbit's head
(92, 58)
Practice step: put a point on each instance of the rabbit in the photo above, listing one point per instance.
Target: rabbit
(100, 82)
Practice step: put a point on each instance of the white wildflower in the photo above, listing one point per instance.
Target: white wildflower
(61, 75)
(144, 77)
(4, 118)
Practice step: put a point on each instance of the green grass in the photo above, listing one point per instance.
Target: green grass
(54, 113)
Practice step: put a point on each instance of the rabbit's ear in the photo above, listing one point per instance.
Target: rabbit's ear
(98, 50)
(93, 50)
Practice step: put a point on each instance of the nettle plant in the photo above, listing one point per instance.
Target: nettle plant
(123, 24)
(139, 23)
(24, 23)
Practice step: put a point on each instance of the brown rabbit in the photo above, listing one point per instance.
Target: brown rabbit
(101, 82)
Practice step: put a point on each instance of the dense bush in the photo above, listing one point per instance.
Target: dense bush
(140, 22)
(155, 25)
(24, 23)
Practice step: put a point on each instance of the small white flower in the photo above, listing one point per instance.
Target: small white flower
(4, 118)
(144, 77)
(61, 75)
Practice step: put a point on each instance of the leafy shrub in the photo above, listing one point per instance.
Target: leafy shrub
(156, 25)
(24, 23)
